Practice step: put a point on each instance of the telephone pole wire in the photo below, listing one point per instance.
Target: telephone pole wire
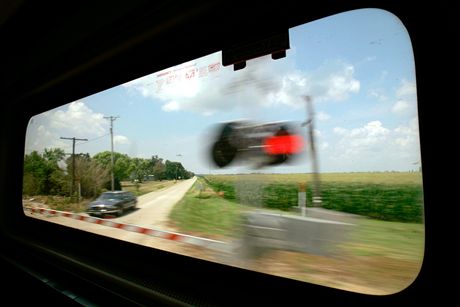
(112, 118)
(74, 139)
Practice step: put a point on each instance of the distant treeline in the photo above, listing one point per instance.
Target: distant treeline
(52, 172)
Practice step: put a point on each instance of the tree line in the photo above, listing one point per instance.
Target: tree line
(51, 172)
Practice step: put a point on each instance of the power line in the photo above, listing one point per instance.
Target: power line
(94, 139)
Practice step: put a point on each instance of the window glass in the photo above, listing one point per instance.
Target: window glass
(306, 167)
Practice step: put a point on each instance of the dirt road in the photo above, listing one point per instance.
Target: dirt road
(152, 212)
(153, 208)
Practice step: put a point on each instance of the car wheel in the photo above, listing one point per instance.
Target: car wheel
(120, 212)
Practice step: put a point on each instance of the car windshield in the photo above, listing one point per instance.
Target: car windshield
(111, 196)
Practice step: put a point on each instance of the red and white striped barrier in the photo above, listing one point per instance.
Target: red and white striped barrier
(168, 235)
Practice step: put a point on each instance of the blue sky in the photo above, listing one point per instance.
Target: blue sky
(357, 66)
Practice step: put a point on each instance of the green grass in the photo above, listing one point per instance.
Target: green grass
(206, 213)
(211, 214)
(396, 240)
(380, 256)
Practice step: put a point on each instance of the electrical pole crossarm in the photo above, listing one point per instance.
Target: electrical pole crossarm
(74, 138)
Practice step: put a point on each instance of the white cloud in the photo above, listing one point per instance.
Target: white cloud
(78, 120)
(72, 120)
(406, 95)
(43, 135)
(407, 88)
(120, 139)
(401, 107)
(39, 137)
(364, 137)
(359, 147)
(373, 147)
(171, 106)
(341, 84)
(334, 81)
(206, 87)
(407, 136)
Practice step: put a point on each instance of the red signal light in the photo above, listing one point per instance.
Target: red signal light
(283, 144)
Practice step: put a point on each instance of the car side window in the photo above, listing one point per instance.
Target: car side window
(305, 167)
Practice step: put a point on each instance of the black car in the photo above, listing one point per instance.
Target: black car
(112, 203)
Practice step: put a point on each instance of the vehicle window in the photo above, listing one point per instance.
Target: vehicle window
(110, 196)
(306, 167)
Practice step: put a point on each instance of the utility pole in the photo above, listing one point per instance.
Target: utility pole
(74, 139)
(111, 118)
(317, 202)
(177, 165)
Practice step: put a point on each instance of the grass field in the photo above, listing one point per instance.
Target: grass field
(379, 257)
(367, 177)
(393, 197)
(206, 213)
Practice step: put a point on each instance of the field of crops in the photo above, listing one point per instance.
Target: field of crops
(381, 255)
(390, 196)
